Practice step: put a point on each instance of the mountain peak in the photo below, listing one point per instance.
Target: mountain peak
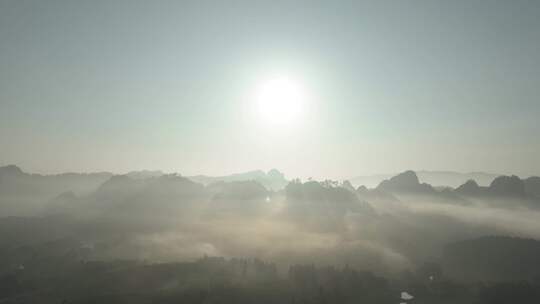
(469, 187)
(274, 173)
(508, 185)
(11, 170)
(404, 182)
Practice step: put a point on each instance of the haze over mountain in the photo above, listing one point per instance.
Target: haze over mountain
(435, 178)
(402, 225)
(20, 190)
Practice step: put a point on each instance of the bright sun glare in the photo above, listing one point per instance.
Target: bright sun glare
(280, 101)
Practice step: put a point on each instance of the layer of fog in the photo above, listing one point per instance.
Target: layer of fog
(169, 218)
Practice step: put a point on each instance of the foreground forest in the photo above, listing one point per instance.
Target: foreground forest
(149, 237)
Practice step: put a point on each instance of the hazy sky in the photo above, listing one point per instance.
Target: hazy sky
(125, 85)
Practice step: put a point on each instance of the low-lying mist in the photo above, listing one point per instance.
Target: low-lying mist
(393, 228)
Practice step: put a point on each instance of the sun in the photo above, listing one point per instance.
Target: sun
(280, 101)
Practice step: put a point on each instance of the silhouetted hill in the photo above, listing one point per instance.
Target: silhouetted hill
(503, 187)
(405, 182)
(406, 187)
(14, 180)
(22, 193)
(158, 195)
(119, 185)
(319, 192)
(434, 178)
(10, 171)
(507, 186)
(532, 185)
(470, 188)
(503, 192)
(323, 206)
(454, 179)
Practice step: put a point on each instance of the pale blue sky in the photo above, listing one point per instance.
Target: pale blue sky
(393, 85)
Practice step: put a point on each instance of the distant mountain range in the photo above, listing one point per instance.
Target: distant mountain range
(12, 178)
(504, 191)
(88, 215)
(20, 190)
(434, 178)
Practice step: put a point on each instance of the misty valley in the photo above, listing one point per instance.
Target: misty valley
(269, 152)
(257, 237)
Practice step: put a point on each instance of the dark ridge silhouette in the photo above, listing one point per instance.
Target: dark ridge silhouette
(313, 191)
(276, 174)
(347, 185)
(323, 205)
(405, 182)
(10, 171)
(503, 186)
(532, 185)
(454, 179)
(14, 180)
(118, 185)
(434, 178)
(508, 186)
(503, 192)
(24, 194)
(470, 188)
